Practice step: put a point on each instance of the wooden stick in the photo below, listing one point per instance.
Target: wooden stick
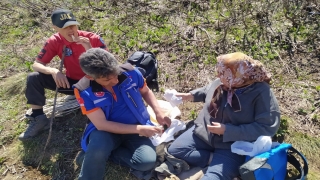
(54, 108)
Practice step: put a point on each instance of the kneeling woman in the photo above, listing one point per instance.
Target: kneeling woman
(238, 106)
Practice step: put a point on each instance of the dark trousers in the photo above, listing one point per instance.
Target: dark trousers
(37, 82)
(189, 147)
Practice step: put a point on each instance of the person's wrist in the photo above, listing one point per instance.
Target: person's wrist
(185, 96)
(53, 71)
(189, 97)
(138, 129)
(87, 46)
(159, 114)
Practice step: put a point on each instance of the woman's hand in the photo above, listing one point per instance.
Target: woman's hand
(185, 96)
(217, 128)
(148, 131)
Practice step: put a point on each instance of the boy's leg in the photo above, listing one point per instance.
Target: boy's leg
(136, 152)
(191, 149)
(100, 145)
(35, 94)
(37, 82)
(224, 165)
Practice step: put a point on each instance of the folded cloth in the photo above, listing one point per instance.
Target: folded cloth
(167, 135)
(170, 96)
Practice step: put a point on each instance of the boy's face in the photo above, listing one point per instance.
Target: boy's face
(68, 32)
(107, 82)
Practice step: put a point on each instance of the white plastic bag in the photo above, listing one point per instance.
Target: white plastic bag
(170, 96)
(167, 109)
(166, 136)
(176, 125)
(262, 144)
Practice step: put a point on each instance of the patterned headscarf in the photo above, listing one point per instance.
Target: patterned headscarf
(237, 71)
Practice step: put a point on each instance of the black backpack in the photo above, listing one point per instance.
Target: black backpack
(147, 64)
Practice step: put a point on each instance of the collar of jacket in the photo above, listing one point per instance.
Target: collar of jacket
(235, 101)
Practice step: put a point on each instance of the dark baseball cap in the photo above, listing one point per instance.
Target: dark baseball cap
(63, 18)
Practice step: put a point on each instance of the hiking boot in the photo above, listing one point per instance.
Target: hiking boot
(36, 125)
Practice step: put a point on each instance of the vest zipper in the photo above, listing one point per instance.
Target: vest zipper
(129, 96)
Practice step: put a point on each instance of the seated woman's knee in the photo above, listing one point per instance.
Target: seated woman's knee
(177, 151)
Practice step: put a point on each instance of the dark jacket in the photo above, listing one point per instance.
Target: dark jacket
(259, 115)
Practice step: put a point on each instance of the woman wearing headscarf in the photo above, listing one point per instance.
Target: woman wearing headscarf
(238, 106)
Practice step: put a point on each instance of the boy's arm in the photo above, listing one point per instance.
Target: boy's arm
(47, 53)
(59, 78)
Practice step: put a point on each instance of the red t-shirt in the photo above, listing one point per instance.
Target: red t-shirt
(54, 46)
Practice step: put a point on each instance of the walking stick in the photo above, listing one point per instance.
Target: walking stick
(54, 107)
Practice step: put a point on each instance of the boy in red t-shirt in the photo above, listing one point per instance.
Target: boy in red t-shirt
(75, 42)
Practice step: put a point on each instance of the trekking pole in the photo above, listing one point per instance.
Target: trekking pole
(54, 107)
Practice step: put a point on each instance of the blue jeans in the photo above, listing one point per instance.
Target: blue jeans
(129, 150)
(195, 152)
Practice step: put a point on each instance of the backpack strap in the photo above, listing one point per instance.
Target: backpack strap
(126, 67)
(293, 160)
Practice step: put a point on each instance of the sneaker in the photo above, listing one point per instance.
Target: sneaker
(37, 124)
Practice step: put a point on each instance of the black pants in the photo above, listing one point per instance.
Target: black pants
(37, 82)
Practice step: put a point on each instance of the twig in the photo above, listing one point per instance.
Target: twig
(284, 64)
(31, 34)
(54, 108)
(13, 170)
(8, 168)
(5, 172)
(209, 37)
(95, 8)
(7, 9)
